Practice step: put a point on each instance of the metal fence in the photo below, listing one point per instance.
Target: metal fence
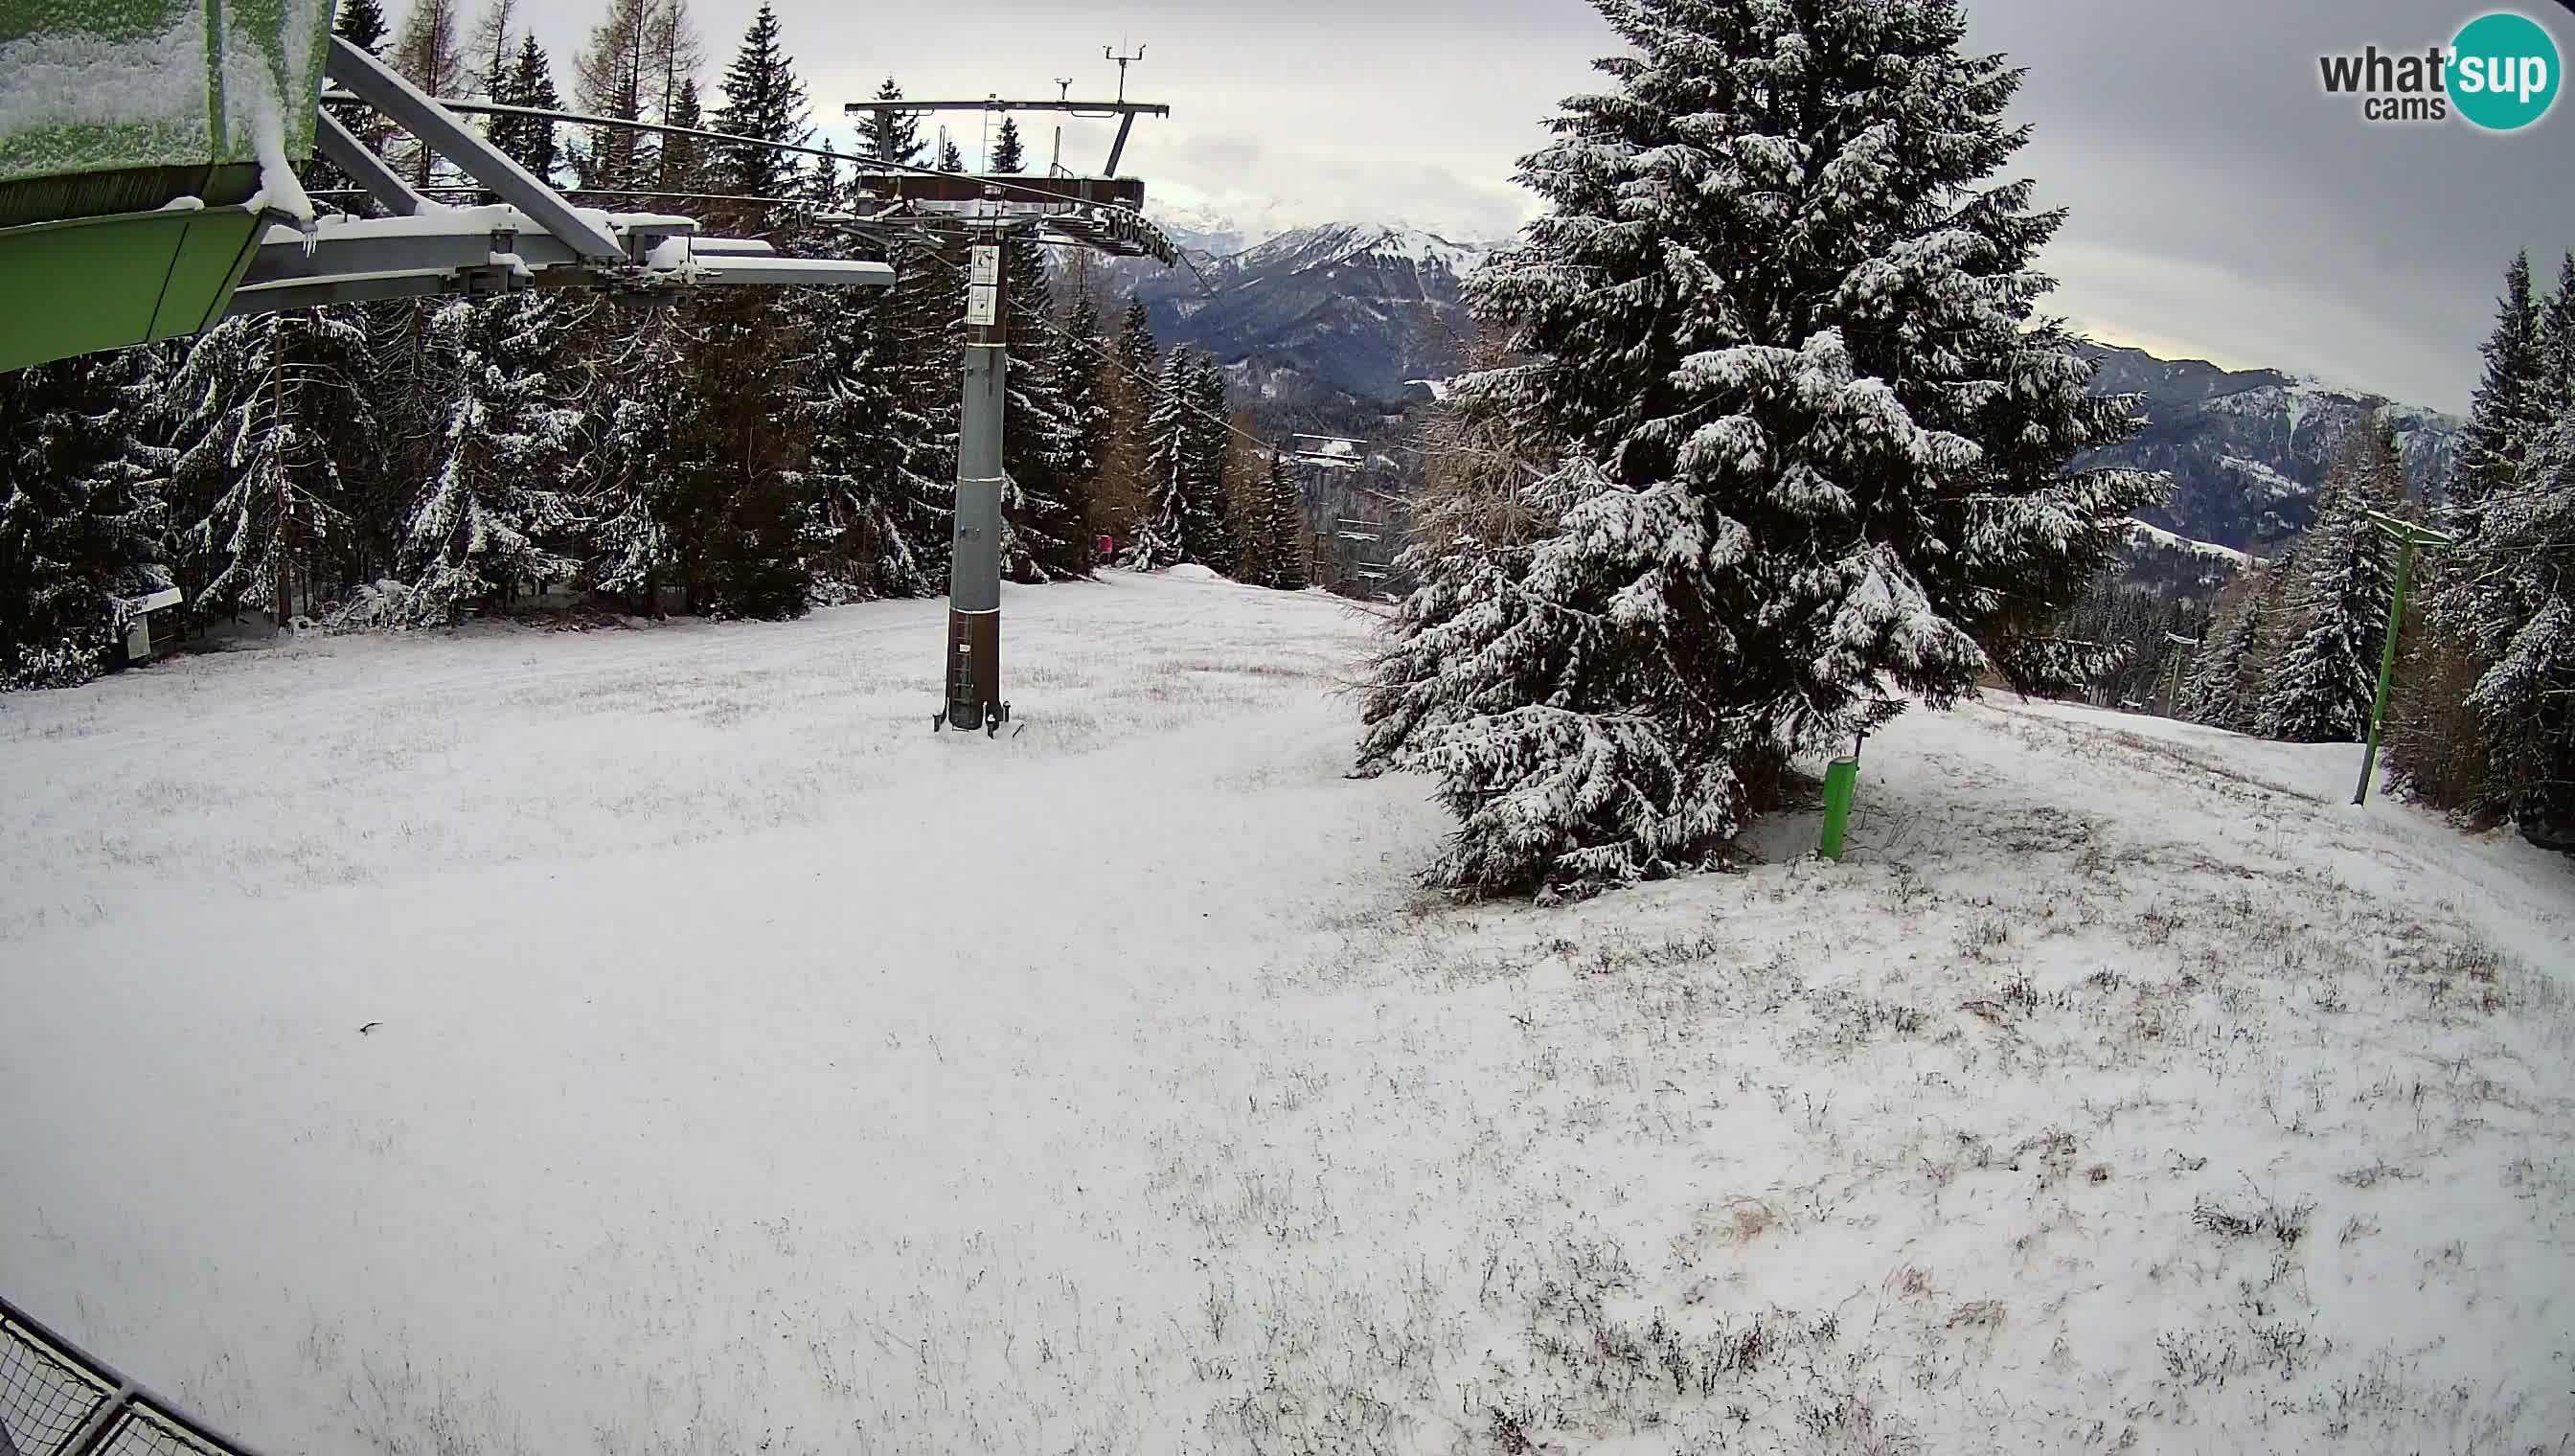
(58, 1400)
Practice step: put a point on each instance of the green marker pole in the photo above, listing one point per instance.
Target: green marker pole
(2407, 535)
(1841, 780)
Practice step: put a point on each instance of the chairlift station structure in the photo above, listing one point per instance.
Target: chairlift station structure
(159, 224)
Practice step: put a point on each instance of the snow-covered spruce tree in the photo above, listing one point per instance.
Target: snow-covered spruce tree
(2467, 603)
(492, 515)
(2319, 691)
(1010, 154)
(2516, 611)
(921, 322)
(860, 477)
(259, 506)
(2220, 689)
(529, 140)
(1817, 437)
(1283, 525)
(2557, 348)
(1207, 533)
(764, 101)
(1080, 371)
(1160, 535)
(683, 162)
(738, 529)
(890, 136)
(1050, 504)
(856, 476)
(2505, 418)
(636, 402)
(80, 513)
(1121, 492)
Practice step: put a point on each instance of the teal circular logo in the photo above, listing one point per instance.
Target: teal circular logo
(2504, 71)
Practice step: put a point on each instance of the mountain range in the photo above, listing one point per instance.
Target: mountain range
(2246, 450)
(1357, 310)
(1358, 322)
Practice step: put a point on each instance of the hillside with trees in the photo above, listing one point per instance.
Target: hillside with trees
(414, 463)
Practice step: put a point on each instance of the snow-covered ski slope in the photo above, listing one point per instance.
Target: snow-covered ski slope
(747, 1069)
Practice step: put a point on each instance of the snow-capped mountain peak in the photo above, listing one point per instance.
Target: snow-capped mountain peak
(1216, 234)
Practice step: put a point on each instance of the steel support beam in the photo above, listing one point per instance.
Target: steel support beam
(722, 268)
(350, 155)
(287, 256)
(437, 128)
(1117, 148)
(957, 187)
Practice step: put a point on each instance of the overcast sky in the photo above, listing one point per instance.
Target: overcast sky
(2223, 207)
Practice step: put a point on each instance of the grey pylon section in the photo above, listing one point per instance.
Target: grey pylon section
(974, 666)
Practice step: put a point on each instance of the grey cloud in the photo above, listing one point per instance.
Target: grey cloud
(2220, 203)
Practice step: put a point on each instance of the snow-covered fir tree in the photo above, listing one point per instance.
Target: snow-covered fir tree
(1080, 364)
(2468, 617)
(866, 441)
(683, 161)
(2557, 350)
(362, 24)
(1184, 518)
(2321, 689)
(858, 474)
(2524, 625)
(1159, 535)
(633, 422)
(492, 517)
(1283, 524)
(2505, 416)
(890, 136)
(529, 140)
(260, 508)
(764, 100)
(1208, 531)
(1010, 154)
(2222, 691)
(1121, 488)
(1817, 437)
(1050, 504)
(917, 332)
(80, 511)
(737, 527)
(2506, 592)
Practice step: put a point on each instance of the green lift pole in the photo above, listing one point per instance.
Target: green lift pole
(2407, 537)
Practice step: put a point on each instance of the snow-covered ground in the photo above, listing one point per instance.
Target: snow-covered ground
(2141, 531)
(750, 1070)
